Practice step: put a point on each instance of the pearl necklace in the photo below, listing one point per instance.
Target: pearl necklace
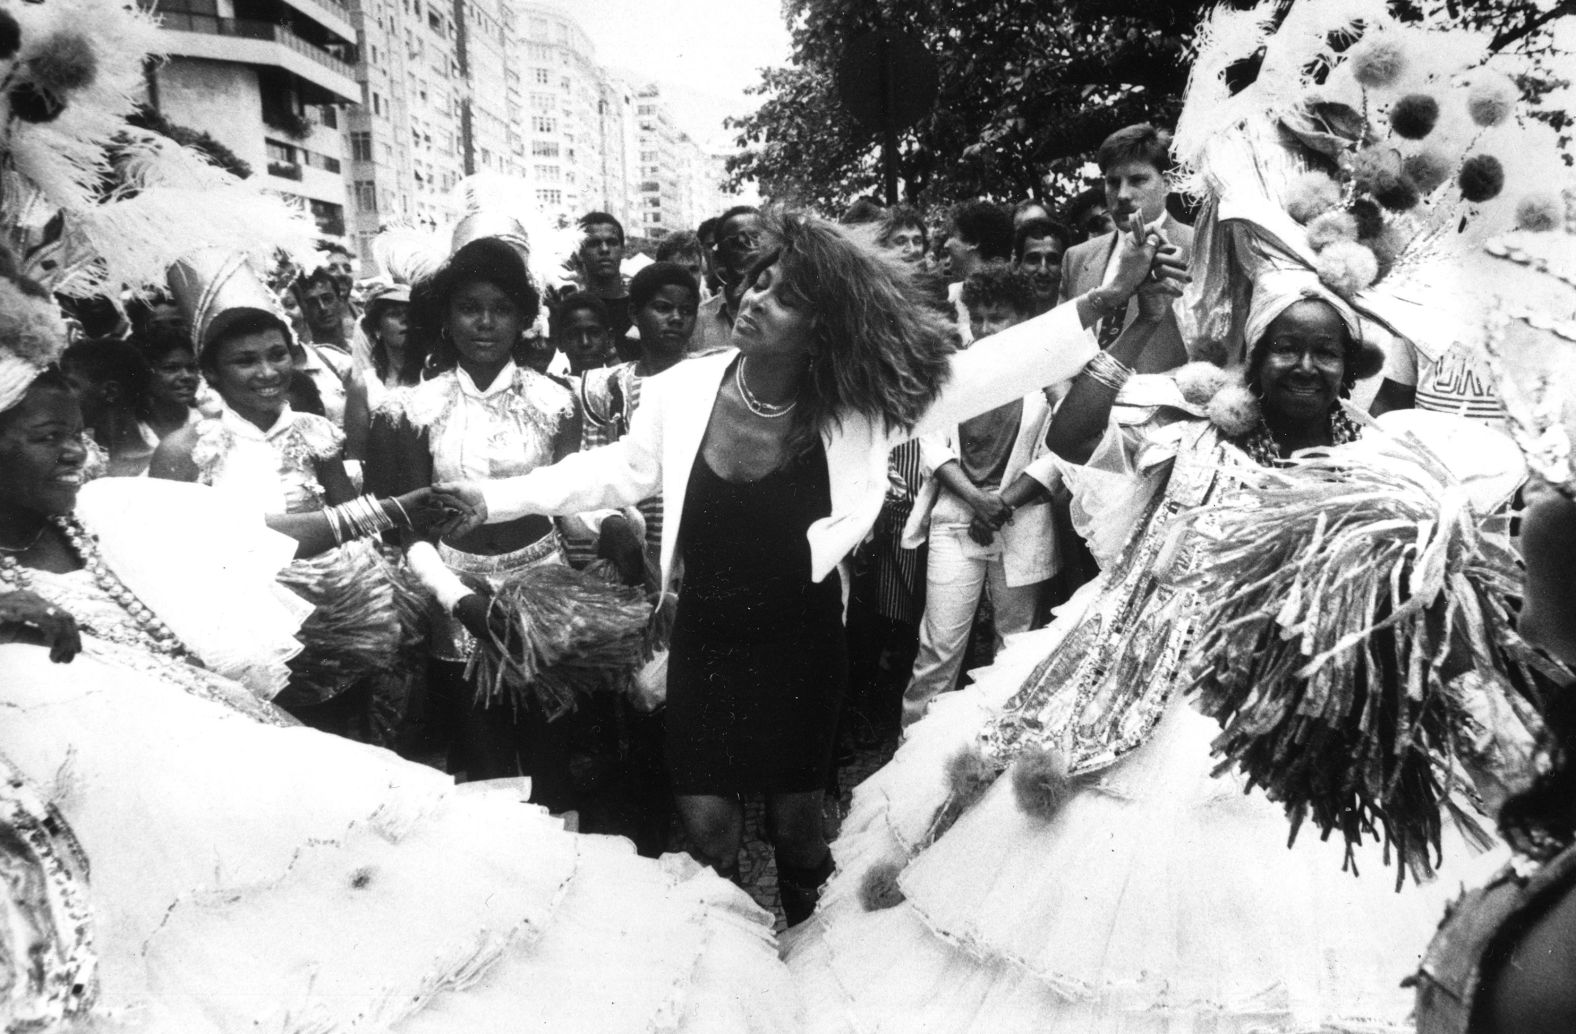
(162, 639)
(761, 409)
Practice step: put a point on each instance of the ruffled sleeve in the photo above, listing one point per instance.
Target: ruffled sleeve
(206, 566)
(322, 439)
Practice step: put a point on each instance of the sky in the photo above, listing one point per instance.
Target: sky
(703, 54)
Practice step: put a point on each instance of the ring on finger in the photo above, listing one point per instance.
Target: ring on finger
(50, 612)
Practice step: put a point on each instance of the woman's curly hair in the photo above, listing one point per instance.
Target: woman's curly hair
(878, 348)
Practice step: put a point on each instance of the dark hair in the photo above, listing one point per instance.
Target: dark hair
(1035, 229)
(682, 242)
(708, 228)
(1359, 358)
(734, 213)
(863, 210)
(877, 348)
(487, 260)
(999, 284)
(1138, 143)
(139, 311)
(108, 360)
(236, 323)
(415, 356)
(156, 342)
(303, 283)
(579, 301)
(899, 216)
(987, 226)
(591, 219)
(644, 285)
(1084, 202)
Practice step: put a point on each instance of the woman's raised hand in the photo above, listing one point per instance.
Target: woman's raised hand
(26, 617)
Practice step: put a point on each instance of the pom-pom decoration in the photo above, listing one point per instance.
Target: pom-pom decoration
(1377, 62)
(1199, 381)
(1491, 99)
(969, 775)
(1331, 227)
(1376, 169)
(1428, 170)
(1312, 194)
(1347, 268)
(1040, 782)
(1400, 196)
(1481, 178)
(1540, 213)
(879, 889)
(62, 63)
(1349, 585)
(1369, 217)
(1414, 116)
(1234, 410)
(10, 36)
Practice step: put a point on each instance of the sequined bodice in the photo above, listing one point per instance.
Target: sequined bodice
(275, 471)
(1100, 692)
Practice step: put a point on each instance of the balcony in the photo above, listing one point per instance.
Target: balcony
(253, 42)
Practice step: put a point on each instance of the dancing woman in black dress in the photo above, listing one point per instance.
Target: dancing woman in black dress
(772, 456)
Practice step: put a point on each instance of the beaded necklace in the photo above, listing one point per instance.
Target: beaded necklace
(1261, 448)
(161, 638)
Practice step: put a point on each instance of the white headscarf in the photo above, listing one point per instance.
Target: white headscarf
(1276, 290)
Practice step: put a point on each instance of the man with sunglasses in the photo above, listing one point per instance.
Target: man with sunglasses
(738, 234)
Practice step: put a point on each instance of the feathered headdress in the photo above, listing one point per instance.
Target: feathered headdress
(1368, 153)
(89, 204)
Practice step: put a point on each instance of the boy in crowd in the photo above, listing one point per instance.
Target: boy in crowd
(975, 538)
(582, 332)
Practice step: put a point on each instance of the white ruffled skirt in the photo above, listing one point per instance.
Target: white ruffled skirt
(1159, 898)
(255, 878)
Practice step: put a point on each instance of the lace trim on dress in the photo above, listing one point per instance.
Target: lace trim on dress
(534, 398)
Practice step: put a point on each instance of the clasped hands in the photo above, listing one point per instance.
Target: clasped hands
(990, 513)
(459, 505)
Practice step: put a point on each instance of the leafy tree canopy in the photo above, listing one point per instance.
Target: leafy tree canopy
(1027, 90)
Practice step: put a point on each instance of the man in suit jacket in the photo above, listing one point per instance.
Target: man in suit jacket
(1134, 161)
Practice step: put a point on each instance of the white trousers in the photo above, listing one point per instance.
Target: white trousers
(958, 569)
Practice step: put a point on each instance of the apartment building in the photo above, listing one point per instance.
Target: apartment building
(372, 110)
(676, 188)
(269, 79)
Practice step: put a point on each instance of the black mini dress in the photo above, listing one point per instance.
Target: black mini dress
(758, 664)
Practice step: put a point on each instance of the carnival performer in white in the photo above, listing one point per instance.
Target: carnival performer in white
(1094, 836)
(482, 414)
(258, 450)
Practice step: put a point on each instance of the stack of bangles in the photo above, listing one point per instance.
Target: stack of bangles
(1113, 373)
(361, 517)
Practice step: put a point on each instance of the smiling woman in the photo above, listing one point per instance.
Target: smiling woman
(258, 451)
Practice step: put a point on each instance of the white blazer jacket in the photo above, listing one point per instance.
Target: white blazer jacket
(675, 409)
